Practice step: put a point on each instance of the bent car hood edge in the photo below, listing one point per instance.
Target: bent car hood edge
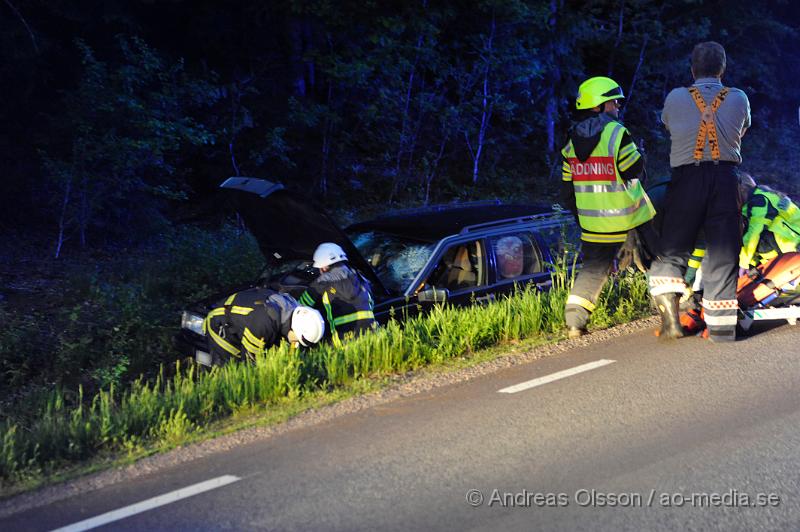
(287, 228)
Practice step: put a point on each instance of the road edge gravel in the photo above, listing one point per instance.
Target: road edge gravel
(413, 384)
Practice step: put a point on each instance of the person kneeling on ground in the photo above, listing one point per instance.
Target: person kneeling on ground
(248, 322)
(772, 227)
(772, 224)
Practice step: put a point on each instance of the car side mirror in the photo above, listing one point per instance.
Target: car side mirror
(433, 295)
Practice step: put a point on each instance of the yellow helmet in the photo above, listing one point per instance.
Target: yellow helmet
(595, 91)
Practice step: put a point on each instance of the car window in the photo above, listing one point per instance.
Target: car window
(517, 255)
(396, 260)
(563, 241)
(462, 266)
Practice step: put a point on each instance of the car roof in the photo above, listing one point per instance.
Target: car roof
(431, 224)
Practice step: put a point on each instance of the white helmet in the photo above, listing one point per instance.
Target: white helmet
(307, 325)
(328, 253)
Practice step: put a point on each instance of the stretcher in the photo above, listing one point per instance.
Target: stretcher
(770, 292)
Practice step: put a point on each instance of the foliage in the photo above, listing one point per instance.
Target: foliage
(621, 301)
(126, 125)
(115, 321)
(148, 108)
(169, 411)
(119, 127)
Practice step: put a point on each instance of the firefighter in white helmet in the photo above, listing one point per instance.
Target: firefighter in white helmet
(340, 293)
(248, 322)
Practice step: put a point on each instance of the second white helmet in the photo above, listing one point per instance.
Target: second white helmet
(328, 253)
(307, 325)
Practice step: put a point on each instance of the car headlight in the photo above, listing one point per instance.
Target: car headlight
(192, 322)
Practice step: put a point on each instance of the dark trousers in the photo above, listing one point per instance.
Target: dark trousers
(597, 262)
(702, 197)
(219, 354)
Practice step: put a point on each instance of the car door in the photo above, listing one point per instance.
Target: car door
(517, 259)
(462, 268)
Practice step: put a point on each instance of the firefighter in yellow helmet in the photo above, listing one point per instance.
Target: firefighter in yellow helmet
(601, 171)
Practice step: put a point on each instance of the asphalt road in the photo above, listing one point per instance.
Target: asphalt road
(697, 425)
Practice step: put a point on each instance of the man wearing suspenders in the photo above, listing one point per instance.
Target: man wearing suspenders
(706, 123)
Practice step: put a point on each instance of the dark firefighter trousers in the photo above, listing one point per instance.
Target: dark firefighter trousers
(598, 261)
(589, 280)
(702, 197)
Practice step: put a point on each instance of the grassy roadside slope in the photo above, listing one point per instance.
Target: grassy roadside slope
(166, 412)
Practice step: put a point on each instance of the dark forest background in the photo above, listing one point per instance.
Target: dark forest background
(121, 117)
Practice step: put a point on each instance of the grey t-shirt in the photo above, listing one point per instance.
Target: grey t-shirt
(682, 119)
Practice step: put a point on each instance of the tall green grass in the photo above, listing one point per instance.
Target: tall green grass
(110, 319)
(168, 411)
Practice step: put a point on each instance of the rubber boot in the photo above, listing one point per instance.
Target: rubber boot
(667, 305)
(576, 332)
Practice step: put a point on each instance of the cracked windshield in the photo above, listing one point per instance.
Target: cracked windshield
(396, 260)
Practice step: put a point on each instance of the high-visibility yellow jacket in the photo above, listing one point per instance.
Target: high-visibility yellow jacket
(607, 206)
(773, 227)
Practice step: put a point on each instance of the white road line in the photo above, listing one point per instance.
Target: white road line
(149, 504)
(556, 376)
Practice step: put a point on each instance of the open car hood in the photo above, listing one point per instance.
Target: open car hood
(287, 228)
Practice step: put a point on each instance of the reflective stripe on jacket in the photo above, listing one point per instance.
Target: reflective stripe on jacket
(608, 207)
(773, 226)
(344, 299)
(248, 322)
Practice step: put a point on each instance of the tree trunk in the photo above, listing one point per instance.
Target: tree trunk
(636, 72)
(397, 181)
(550, 119)
(618, 39)
(401, 145)
(486, 105)
(485, 114)
(310, 69)
(62, 219)
(434, 167)
(24, 23)
(326, 144)
(84, 212)
(417, 127)
(235, 99)
(551, 107)
(297, 65)
(642, 51)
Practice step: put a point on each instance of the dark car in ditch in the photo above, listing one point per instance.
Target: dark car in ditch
(461, 254)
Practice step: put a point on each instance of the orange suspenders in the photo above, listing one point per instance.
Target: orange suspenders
(707, 125)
